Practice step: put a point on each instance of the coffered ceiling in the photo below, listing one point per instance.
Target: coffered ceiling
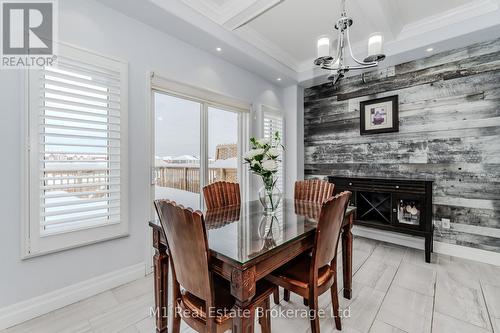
(232, 14)
(288, 29)
(276, 38)
(295, 25)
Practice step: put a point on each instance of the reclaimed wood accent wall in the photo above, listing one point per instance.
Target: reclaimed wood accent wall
(449, 132)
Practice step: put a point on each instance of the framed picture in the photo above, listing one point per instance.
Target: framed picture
(379, 115)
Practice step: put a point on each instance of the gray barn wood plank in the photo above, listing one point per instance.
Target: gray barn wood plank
(449, 132)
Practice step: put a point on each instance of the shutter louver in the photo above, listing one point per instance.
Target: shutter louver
(272, 124)
(79, 146)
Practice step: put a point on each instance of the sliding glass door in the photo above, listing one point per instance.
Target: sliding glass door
(196, 143)
(177, 149)
(223, 155)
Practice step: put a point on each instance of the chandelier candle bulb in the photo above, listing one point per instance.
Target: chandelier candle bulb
(375, 44)
(323, 47)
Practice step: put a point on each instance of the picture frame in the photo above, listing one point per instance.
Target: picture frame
(379, 115)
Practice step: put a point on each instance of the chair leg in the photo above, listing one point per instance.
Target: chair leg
(212, 327)
(265, 320)
(267, 316)
(286, 295)
(313, 307)
(276, 295)
(176, 321)
(335, 305)
(176, 296)
(306, 302)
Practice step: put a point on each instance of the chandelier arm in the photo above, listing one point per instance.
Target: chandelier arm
(331, 68)
(359, 62)
(349, 67)
(363, 66)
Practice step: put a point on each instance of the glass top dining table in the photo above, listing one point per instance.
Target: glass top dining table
(246, 244)
(241, 233)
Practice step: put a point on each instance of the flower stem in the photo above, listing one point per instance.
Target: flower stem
(268, 183)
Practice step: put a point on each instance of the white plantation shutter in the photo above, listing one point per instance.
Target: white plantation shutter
(273, 122)
(78, 123)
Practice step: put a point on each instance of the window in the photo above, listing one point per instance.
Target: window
(199, 138)
(273, 122)
(77, 152)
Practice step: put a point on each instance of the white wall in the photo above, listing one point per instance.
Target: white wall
(293, 104)
(90, 25)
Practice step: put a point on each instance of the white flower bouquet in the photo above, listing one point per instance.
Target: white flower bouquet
(263, 161)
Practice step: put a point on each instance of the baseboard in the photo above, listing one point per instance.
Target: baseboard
(470, 253)
(19, 312)
(389, 237)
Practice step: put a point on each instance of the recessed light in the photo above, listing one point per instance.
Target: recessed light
(218, 49)
(430, 49)
(278, 79)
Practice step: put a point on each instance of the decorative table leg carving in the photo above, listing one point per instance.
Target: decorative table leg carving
(243, 284)
(347, 257)
(243, 287)
(160, 260)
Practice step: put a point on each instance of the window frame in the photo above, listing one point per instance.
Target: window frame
(207, 98)
(33, 243)
(158, 82)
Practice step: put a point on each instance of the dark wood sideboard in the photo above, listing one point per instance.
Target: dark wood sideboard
(398, 205)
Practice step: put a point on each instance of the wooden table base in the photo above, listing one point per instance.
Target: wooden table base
(160, 261)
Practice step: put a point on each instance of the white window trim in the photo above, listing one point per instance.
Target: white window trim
(32, 244)
(198, 94)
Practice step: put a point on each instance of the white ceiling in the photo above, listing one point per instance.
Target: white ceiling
(411, 11)
(276, 38)
(294, 25)
(287, 29)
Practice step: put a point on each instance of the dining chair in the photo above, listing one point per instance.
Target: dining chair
(310, 275)
(315, 190)
(305, 192)
(221, 194)
(195, 287)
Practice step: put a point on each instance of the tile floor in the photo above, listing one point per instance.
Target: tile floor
(394, 291)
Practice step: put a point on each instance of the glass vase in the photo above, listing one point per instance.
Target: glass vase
(270, 198)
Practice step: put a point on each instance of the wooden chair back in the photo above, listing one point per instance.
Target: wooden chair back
(221, 194)
(187, 242)
(328, 229)
(314, 190)
(218, 217)
(308, 209)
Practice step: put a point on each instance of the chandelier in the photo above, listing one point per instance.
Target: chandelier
(339, 64)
